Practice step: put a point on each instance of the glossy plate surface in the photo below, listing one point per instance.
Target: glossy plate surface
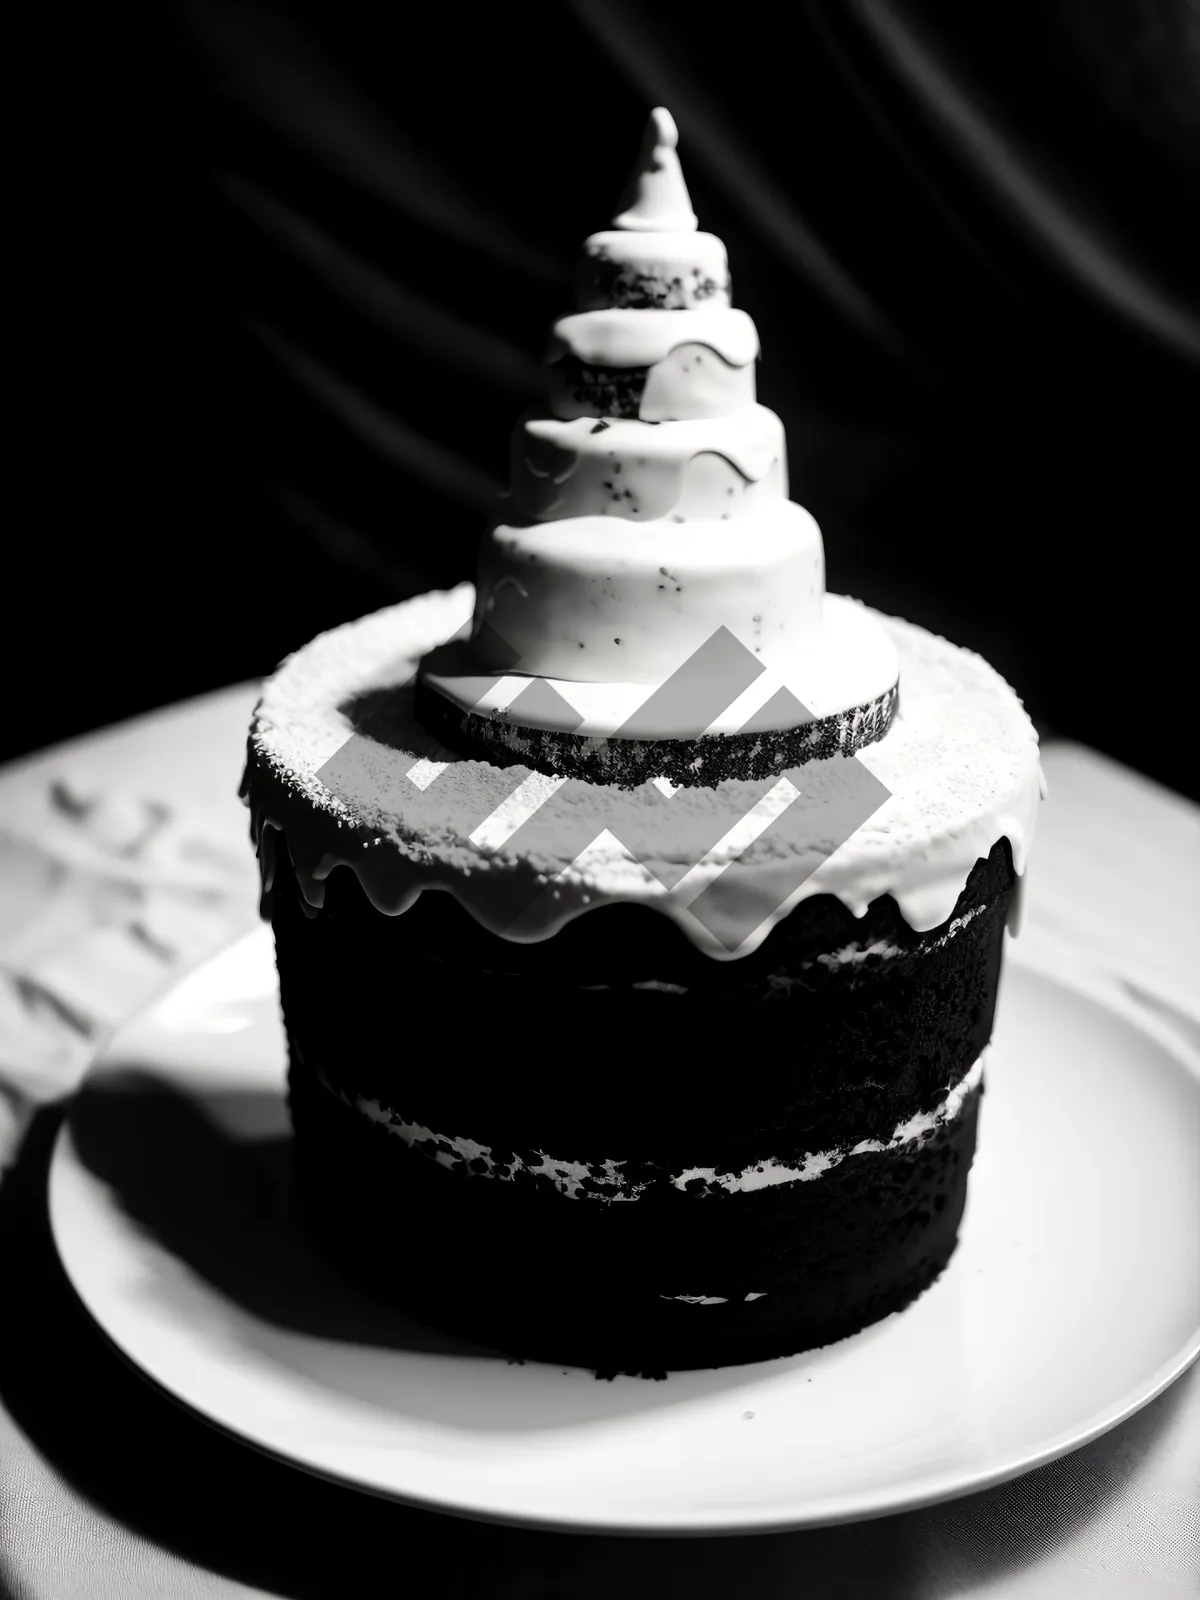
(1073, 1299)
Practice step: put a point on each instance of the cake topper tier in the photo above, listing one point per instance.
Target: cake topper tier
(656, 199)
(649, 514)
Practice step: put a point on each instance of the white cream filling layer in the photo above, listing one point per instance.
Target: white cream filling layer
(707, 1299)
(766, 1174)
(606, 1182)
(855, 954)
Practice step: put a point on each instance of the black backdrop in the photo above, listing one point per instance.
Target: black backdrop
(297, 263)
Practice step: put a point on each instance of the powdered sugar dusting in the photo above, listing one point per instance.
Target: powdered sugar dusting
(960, 762)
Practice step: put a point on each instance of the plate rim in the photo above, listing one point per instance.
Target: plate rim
(1044, 962)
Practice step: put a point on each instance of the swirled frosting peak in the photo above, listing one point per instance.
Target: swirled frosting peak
(656, 200)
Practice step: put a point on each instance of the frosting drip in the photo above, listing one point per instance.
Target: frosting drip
(620, 339)
(959, 761)
(693, 381)
(658, 366)
(716, 468)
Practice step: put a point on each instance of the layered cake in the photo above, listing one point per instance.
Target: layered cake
(639, 908)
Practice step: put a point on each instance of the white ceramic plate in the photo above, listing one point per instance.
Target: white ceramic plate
(1074, 1297)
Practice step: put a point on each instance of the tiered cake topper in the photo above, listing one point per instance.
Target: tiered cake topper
(649, 600)
(656, 199)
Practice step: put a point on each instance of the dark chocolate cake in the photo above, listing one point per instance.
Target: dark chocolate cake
(682, 1066)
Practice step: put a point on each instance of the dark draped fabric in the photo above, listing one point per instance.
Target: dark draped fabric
(310, 253)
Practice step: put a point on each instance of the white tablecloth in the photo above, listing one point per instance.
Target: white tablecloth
(123, 859)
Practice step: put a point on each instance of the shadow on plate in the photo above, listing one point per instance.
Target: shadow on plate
(209, 1179)
(196, 1177)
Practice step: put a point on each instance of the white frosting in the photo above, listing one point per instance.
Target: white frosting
(601, 601)
(709, 468)
(960, 763)
(656, 199)
(697, 363)
(678, 269)
(846, 659)
(696, 381)
(692, 381)
(694, 487)
(644, 338)
(605, 1181)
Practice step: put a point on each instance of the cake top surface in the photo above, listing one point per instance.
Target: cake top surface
(338, 761)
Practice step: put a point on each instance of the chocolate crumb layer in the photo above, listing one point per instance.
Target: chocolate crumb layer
(591, 391)
(604, 283)
(852, 1025)
(628, 763)
(615, 1288)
